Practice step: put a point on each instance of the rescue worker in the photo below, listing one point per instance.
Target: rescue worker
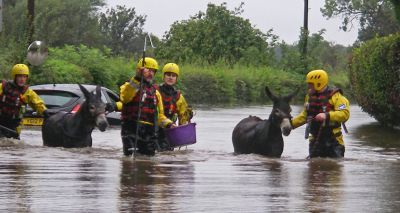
(151, 110)
(325, 110)
(175, 105)
(14, 95)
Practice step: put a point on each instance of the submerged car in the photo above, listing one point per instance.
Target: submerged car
(68, 98)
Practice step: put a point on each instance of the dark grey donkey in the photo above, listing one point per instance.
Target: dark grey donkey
(75, 129)
(254, 135)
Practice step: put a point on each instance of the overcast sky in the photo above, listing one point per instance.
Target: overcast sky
(284, 16)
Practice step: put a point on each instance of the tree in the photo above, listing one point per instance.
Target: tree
(14, 37)
(376, 17)
(217, 35)
(396, 5)
(68, 22)
(321, 55)
(122, 29)
(56, 22)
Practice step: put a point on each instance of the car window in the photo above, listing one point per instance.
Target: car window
(113, 97)
(103, 98)
(56, 98)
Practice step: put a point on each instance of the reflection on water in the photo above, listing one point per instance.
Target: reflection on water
(324, 185)
(149, 186)
(207, 177)
(13, 188)
(376, 135)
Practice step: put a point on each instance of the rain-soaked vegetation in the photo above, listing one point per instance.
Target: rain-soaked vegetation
(224, 58)
(217, 46)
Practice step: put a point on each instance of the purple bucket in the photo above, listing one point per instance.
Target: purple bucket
(181, 135)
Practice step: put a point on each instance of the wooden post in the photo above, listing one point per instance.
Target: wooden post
(31, 16)
(304, 36)
(1, 15)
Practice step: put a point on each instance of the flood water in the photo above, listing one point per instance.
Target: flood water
(205, 177)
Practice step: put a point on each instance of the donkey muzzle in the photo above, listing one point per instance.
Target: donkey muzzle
(286, 127)
(101, 122)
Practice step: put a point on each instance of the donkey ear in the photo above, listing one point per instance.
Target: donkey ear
(269, 94)
(85, 92)
(290, 96)
(98, 92)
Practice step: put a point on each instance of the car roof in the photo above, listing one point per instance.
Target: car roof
(74, 88)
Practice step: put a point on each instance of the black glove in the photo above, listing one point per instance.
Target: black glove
(110, 107)
(46, 114)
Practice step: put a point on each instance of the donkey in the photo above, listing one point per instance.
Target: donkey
(254, 135)
(75, 129)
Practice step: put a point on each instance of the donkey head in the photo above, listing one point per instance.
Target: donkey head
(281, 110)
(94, 108)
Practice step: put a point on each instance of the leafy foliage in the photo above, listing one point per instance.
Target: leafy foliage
(375, 78)
(75, 22)
(376, 17)
(219, 34)
(80, 64)
(122, 29)
(71, 22)
(216, 46)
(396, 7)
(321, 55)
(239, 84)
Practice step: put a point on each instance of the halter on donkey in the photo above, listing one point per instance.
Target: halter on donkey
(254, 135)
(75, 129)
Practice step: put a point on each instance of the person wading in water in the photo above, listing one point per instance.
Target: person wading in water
(325, 109)
(14, 96)
(142, 128)
(175, 105)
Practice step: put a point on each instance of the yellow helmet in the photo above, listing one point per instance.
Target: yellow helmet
(171, 67)
(149, 63)
(319, 78)
(19, 69)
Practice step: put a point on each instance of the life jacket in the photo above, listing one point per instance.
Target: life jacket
(319, 103)
(148, 106)
(11, 100)
(170, 96)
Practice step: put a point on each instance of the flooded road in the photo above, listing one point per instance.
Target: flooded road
(206, 176)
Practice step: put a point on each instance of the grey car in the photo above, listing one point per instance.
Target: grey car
(68, 98)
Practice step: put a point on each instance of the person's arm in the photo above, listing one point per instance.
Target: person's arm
(162, 120)
(182, 110)
(302, 117)
(34, 101)
(129, 90)
(341, 112)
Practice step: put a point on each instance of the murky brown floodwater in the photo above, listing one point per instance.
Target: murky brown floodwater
(207, 176)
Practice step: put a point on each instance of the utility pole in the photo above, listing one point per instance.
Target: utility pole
(1, 15)
(304, 36)
(305, 27)
(31, 16)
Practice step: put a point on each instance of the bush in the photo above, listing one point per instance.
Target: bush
(60, 71)
(235, 85)
(375, 78)
(81, 64)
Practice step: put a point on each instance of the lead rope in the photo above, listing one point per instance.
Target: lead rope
(316, 142)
